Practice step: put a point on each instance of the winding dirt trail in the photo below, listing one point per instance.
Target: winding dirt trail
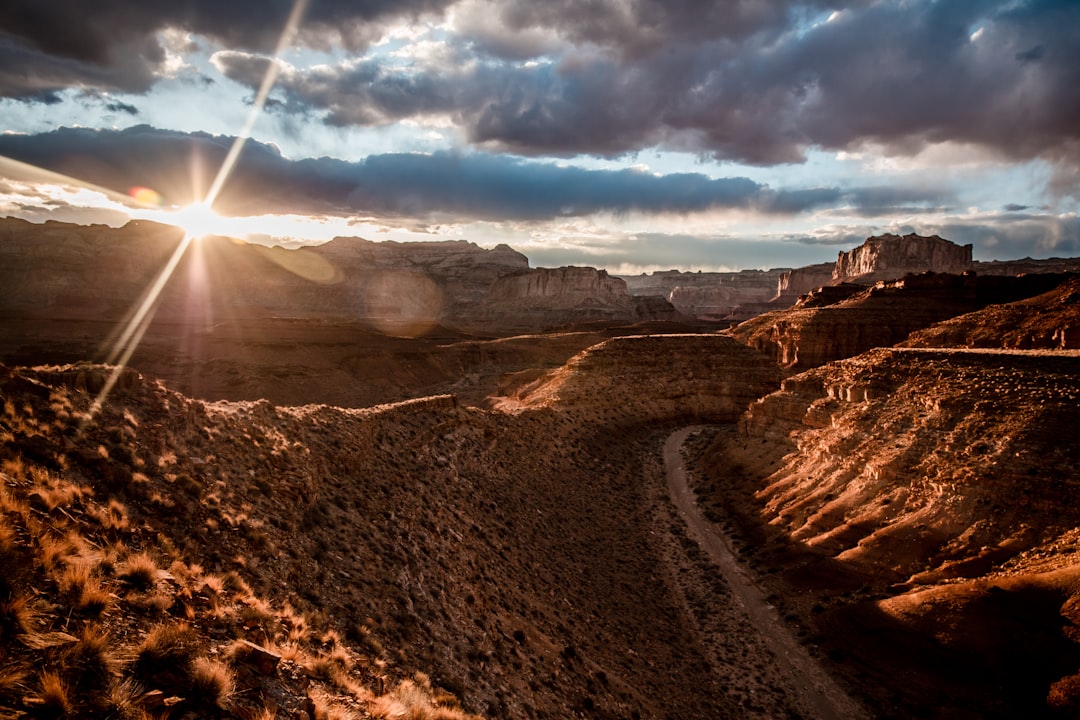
(817, 692)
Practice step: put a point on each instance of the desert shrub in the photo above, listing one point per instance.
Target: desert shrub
(55, 699)
(16, 618)
(165, 657)
(210, 683)
(139, 571)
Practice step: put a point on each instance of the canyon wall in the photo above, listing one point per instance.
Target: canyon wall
(887, 257)
(809, 335)
(56, 270)
(800, 281)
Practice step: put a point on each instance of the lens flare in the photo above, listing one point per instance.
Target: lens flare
(146, 196)
(197, 220)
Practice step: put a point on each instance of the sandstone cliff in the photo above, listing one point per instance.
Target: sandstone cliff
(880, 316)
(888, 257)
(547, 298)
(711, 296)
(800, 281)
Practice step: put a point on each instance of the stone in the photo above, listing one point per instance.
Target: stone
(888, 257)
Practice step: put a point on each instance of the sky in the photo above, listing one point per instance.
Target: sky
(631, 135)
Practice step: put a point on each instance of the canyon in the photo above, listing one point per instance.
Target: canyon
(433, 480)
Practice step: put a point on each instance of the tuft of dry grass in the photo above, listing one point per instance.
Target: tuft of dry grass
(13, 681)
(16, 618)
(55, 699)
(112, 518)
(165, 656)
(90, 660)
(139, 571)
(211, 683)
(84, 589)
(121, 701)
(416, 700)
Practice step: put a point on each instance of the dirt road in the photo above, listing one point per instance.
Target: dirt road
(817, 695)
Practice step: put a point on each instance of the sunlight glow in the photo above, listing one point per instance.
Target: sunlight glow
(199, 220)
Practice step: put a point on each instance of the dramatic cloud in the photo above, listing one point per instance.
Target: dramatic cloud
(445, 184)
(805, 122)
(49, 45)
(904, 75)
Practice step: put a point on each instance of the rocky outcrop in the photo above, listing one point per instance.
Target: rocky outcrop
(888, 257)
(880, 316)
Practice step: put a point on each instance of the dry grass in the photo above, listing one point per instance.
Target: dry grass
(416, 700)
(13, 681)
(211, 683)
(165, 657)
(55, 699)
(84, 589)
(90, 660)
(139, 571)
(16, 618)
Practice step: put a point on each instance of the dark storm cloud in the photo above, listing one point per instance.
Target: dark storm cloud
(463, 187)
(757, 87)
(53, 44)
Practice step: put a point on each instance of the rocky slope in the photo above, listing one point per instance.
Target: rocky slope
(915, 504)
(523, 561)
(1049, 321)
(706, 378)
(880, 316)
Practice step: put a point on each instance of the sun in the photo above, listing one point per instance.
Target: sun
(199, 220)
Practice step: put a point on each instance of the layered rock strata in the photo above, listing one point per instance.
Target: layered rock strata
(880, 316)
(887, 257)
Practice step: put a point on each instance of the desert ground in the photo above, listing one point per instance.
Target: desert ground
(295, 518)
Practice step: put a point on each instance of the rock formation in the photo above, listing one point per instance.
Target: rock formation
(921, 504)
(710, 296)
(888, 257)
(800, 281)
(880, 316)
(75, 272)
